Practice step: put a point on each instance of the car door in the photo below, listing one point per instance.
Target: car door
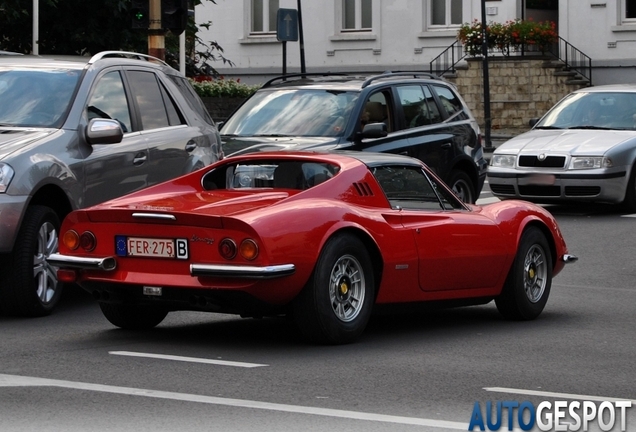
(163, 126)
(457, 249)
(379, 107)
(429, 139)
(112, 170)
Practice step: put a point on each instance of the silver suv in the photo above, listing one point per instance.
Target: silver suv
(74, 133)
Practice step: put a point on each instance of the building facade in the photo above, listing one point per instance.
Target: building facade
(370, 36)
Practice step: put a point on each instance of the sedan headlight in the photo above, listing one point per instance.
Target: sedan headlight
(503, 161)
(6, 174)
(590, 162)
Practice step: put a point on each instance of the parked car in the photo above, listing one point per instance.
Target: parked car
(407, 113)
(583, 149)
(77, 132)
(319, 236)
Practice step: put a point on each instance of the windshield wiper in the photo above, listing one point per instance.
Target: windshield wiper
(590, 127)
(548, 127)
(272, 135)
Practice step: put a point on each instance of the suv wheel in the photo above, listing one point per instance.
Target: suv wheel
(462, 185)
(29, 285)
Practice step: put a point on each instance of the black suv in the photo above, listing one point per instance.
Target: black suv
(410, 113)
(76, 132)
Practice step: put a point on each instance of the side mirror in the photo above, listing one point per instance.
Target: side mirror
(104, 131)
(374, 130)
(533, 121)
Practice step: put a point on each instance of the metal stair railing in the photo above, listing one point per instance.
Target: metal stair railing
(572, 58)
(448, 59)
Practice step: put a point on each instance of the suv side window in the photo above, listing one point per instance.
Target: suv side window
(156, 108)
(191, 97)
(109, 101)
(378, 109)
(450, 102)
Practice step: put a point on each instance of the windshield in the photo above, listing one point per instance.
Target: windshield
(36, 98)
(304, 112)
(611, 110)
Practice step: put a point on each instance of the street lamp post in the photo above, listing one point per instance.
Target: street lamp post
(484, 51)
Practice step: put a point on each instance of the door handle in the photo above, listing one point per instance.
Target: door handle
(446, 145)
(190, 146)
(140, 158)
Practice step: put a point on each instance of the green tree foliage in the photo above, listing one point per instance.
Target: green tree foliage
(84, 27)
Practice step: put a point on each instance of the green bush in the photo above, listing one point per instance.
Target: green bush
(209, 87)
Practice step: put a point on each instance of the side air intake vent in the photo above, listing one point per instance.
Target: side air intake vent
(363, 189)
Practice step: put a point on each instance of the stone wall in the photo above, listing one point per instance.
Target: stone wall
(520, 89)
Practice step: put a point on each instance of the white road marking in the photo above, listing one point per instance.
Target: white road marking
(187, 359)
(24, 381)
(555, 395)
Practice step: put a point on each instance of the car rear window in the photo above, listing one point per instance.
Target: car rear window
(285, 174)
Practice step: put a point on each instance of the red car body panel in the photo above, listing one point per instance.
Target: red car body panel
(424, 255)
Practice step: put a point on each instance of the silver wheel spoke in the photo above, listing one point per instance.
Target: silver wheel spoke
(346, 288)
(45, 275)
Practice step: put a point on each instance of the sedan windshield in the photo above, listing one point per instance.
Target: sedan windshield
(593, 110)
(304, 112)
(36, 98)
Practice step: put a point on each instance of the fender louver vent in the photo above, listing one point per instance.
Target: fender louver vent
(363, 189)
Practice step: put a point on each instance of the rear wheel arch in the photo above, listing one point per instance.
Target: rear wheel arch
(548, 235)
(371, 247)
(55, 198)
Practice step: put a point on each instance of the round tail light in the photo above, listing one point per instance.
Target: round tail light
(87, 241)
(71, 240)
(248, 249)
(227, 248)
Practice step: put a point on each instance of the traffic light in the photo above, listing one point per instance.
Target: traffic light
(140, 14)
(174, 15)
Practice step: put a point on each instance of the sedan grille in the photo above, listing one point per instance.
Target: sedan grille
(548, 162)
(540, 191)
(579, 191)
(502, 189)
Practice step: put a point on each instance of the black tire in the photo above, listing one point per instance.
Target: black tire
(28, 284)
(462, 185)
(629, 203)
(527, 287)
(335, 305)
(133, 317)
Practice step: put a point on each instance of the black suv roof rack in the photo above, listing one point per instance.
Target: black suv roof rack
(391, 74)
(314, 74)
(125, 54)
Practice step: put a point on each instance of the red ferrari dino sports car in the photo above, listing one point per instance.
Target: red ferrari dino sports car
(323, 237)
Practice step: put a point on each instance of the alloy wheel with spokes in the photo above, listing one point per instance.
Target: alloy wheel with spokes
(347, 288)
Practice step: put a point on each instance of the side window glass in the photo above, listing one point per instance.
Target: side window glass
(450, 102)
(191, 97)
(156, 108)
(377, 109)
(432, 111)
(407, 187)
(416, 106)
(411, 188)
(109, 101)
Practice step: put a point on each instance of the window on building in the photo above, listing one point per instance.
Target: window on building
(356, 15)
(264, 16)
(445, 12)
(630, 9)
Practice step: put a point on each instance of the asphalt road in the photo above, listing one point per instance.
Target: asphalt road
(73, 371)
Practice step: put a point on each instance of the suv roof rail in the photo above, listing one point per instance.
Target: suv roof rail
(125, 54)
(313, 74)
(391, 74)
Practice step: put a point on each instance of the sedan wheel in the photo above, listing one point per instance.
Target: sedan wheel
(29, 285)
(335, 305)
(526, 290)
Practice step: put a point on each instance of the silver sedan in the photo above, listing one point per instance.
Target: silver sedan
(583, 149)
